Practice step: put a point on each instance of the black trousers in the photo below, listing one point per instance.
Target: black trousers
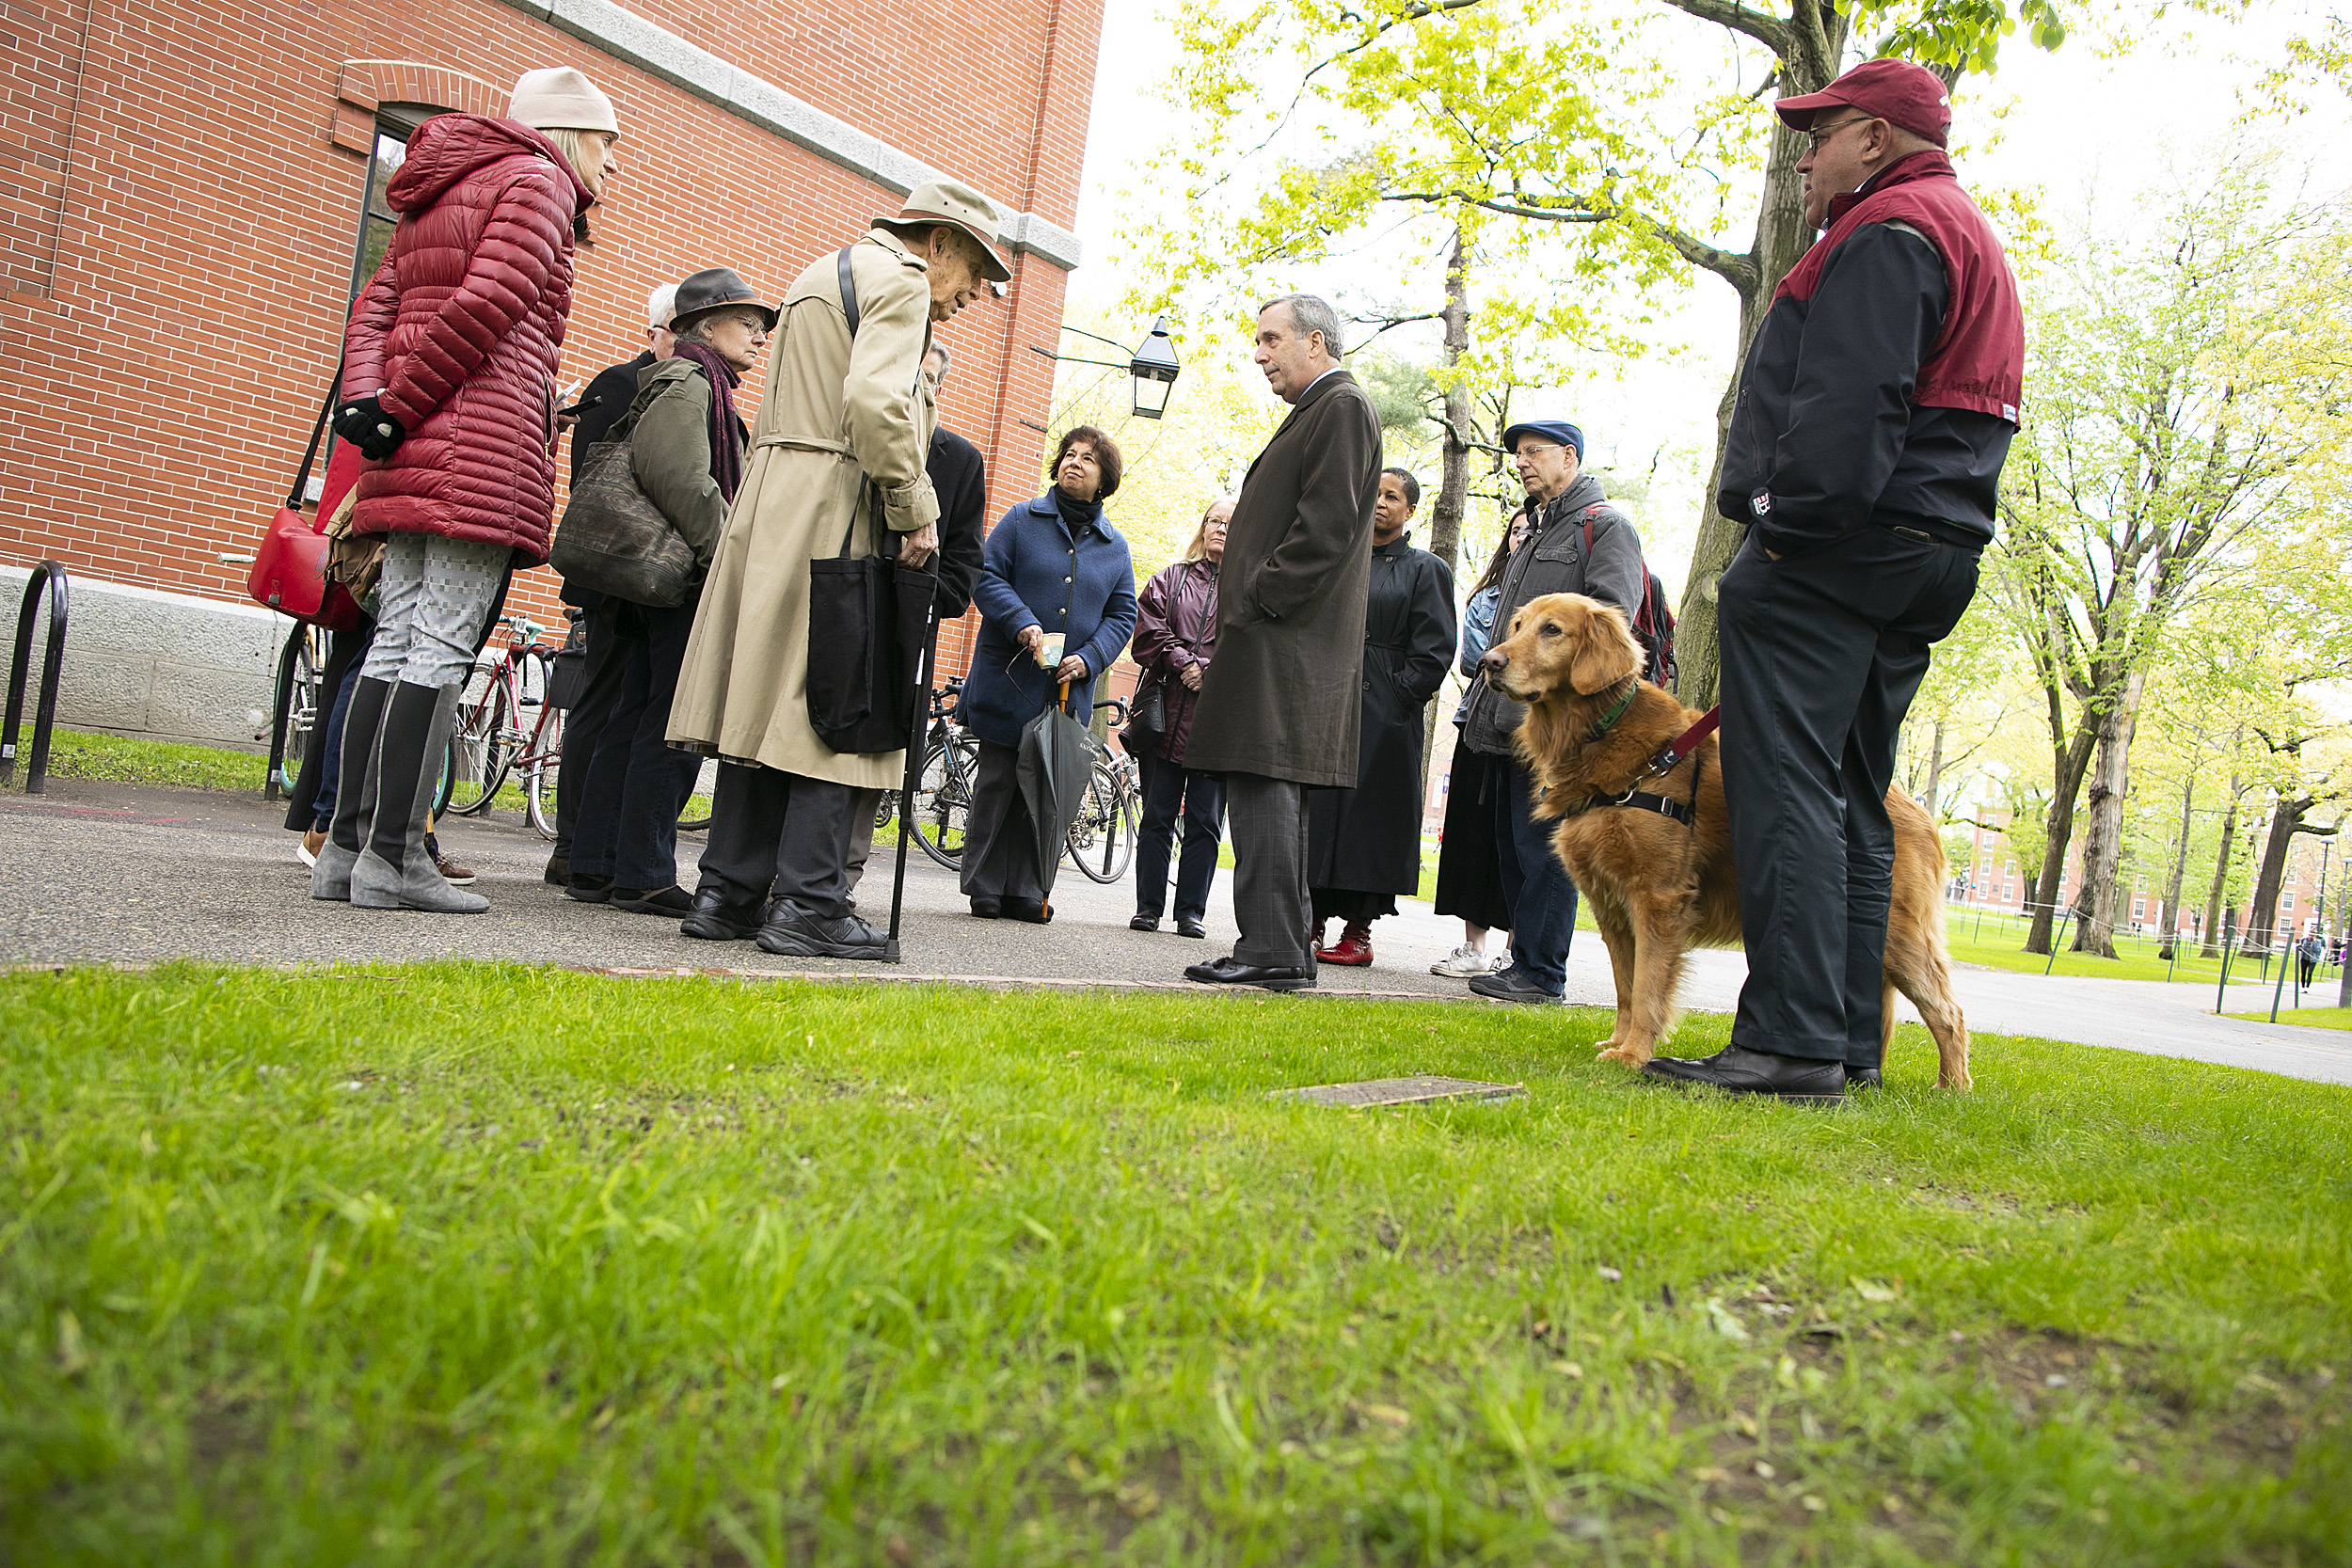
(636, 782)
(1171, 790)
(782, 834)
(1822, 652)
(1271, 903)
(583, 726)
(1000, 849)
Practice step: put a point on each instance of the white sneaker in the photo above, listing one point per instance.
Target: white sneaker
(1461, 964)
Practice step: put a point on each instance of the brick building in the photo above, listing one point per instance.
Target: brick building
(184, 219)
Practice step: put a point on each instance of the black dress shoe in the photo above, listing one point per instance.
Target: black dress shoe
(559, 872)
(795, 933)
(1512, 986)
(716, 919)
(1190, 928)
(671, 900)
(589, 890)
(1230, 971)
(1144, 923)
(1738, 1070)
(1031, 910)
(1861, 1078)
(986, 908)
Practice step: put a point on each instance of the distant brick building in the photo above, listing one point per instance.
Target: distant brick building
(184, 215)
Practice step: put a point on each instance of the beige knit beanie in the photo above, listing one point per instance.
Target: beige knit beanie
(560, 98)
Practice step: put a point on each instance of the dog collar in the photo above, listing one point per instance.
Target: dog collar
(1617, 711)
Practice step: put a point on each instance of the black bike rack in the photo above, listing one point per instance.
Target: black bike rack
(48, 575)
(276, 785)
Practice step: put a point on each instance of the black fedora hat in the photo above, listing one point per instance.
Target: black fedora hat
(716, 289)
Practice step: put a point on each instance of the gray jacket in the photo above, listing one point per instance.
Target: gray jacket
(1554, 561)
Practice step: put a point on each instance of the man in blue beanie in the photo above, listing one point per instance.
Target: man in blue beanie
(1561, 502)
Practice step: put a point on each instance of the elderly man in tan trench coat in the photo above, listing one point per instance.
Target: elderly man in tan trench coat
(836, 413)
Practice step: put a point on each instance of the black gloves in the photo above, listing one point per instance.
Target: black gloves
(363, 422)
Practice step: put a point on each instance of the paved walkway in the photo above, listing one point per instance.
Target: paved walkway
(125, 873)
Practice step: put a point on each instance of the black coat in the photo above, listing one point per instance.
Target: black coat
(1280, 698)
(602, 404)
(961, 478)
(1368, 839)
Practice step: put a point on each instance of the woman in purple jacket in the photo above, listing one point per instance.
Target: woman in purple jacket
(1175, 635)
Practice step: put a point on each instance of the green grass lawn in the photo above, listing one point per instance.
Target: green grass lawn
(2316, 1018)
(1997, 940)
(75, 755)
(455, 1264)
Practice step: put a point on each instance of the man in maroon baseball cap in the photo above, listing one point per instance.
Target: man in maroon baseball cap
(1865, 454)
(1907, 95)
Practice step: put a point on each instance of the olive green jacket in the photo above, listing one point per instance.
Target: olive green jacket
(670, 450)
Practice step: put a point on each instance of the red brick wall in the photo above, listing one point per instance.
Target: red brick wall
(179, 208)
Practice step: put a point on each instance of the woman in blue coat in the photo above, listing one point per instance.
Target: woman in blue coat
(1056, 596)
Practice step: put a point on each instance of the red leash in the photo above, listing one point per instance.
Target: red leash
(1684, 744)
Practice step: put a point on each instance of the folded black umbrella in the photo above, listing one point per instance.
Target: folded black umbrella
(1056, 755)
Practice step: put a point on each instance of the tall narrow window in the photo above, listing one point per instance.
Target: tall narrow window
(376, 220)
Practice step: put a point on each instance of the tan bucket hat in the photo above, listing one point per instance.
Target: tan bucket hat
(961, 207)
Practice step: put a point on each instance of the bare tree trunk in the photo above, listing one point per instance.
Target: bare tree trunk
(1445, 518)
(2103, 839)
(2212, 948)
(2286, 821)
(2180, 868)
(2066, 769)
(1781, 236)
(1935, 768)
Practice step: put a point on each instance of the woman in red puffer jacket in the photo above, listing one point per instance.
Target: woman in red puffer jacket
(448, 391)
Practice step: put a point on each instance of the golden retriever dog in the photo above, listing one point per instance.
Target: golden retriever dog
(1658, 887)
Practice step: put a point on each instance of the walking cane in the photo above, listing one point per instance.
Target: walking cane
(915, 771)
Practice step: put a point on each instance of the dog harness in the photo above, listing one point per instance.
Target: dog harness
(1684, 745)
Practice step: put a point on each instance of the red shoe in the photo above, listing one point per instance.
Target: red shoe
(1354, 949)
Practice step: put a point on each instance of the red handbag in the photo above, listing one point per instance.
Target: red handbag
(288, 572)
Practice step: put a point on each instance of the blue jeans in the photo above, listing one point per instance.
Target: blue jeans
(1535, 883)
(1170, 789)
(331, 763)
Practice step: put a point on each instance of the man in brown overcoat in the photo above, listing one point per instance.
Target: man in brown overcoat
(837, 412)
(1282, 709)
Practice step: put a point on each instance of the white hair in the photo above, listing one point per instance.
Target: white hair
(662, 305)
(1310, 313)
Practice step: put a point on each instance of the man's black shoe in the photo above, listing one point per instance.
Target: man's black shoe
(1511, 986)
(1230, 971)
(716, 919)
(1736, 1071)
(986, 908)
(559, 871)
(1031, 910)
(1144, 923)
(589, 890)
(1190, 928)
(795, 933)
(1861, 1078)
(673, 900)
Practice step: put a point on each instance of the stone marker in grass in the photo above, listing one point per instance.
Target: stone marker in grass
(1415, 1090)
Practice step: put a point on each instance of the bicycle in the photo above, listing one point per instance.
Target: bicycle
(1102, 837)
(942, 790)
(505, 723)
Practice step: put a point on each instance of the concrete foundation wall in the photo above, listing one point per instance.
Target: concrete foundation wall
(153, 665)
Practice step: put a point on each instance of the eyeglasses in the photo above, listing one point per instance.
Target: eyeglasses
(1820, 134)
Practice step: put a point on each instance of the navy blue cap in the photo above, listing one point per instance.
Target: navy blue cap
(1558, 432)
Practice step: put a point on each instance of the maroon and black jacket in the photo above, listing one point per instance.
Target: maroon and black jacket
(1883, 383)
(1175, 625)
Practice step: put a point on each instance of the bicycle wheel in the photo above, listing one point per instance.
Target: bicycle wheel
(542, 767)
(442, 785)
(485, 740)
(1101, 838)
(943, 800)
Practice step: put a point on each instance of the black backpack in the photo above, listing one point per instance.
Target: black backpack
(1654, 622)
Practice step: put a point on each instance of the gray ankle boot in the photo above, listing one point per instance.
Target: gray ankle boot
(354, 800)
(394, 872)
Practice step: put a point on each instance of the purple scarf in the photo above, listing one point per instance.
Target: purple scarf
(726, 430)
